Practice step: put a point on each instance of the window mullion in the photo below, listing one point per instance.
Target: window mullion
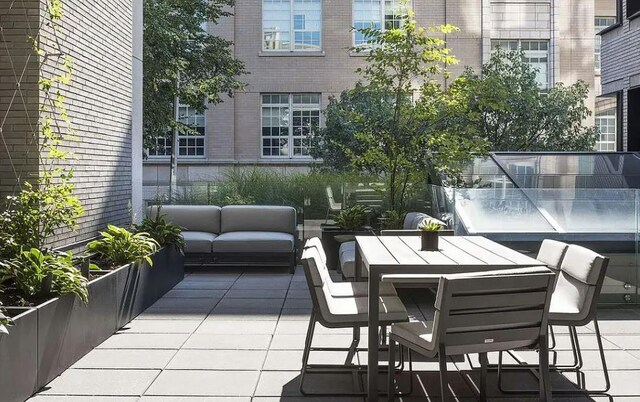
(382, 21)
(290, 140)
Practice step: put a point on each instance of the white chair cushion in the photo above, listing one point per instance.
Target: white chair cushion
(317, 243)
(419, 333)
(582, 264)
(551, 253)
(348, 310)
(254, 242)
(570, 300)
(358, 289)
(198, 242)
(310, 256)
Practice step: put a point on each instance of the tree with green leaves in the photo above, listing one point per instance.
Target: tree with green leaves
(181, 60)
(378, 127)
(505, 105)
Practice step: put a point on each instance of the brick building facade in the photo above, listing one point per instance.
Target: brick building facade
(299, 51)
(99, 36)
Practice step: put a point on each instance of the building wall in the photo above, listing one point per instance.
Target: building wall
(98, 36)
(18, 96)
(621, 64)
(233, 127)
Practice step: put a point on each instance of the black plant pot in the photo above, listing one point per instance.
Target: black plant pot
(429, 241)
(19, 356)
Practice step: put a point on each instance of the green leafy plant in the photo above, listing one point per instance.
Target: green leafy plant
(36, 274)
(353, 218)
(430, 226)
(118, 246)
(165, 233)
(5, 320)
(392, 219)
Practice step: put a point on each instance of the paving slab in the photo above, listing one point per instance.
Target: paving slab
(125, 359)
(244, 341)
(161, 326)
(101, 382)
(204, 383)
(144, 341)
(197, 293)
(256, 294)
(193, 359)
(215, 326)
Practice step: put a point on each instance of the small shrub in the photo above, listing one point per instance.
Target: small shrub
(36, 275)
(118, 246)
(165, 233)
(353, 218)
(5, 321)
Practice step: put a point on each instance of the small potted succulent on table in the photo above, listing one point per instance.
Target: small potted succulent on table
(429, 234)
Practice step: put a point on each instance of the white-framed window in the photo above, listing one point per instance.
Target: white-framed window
(600, 24)
(536, 54)
(287, 121)
(191, 145)
(292, 25)
(607, 127)
(377, 14)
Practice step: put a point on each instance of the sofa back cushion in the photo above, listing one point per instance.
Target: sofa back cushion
(413, 220)
(258, 218)
(198, 218)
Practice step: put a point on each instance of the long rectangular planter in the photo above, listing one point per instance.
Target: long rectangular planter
(19, 356)
(54, 335)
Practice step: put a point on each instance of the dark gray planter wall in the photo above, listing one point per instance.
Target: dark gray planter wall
(19, 357)
(68, 329)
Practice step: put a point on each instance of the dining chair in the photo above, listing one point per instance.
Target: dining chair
(480, 313)
(551, 253)
(333, 205)
(574, 304)
(343, 289)
(339, 312)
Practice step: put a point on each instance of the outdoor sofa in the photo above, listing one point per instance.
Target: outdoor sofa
(411, 225)
(261, 235)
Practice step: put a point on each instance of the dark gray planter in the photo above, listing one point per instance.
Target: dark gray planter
(68, 329)
(429, 240)
(140, 287)
(19, 356)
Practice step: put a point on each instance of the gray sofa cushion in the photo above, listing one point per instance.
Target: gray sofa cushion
(198, 242)
(258, 218)
(199, 218)
(254, 242)
(413, 220)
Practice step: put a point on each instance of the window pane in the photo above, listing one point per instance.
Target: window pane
(307, 24)
(366, 14)
(276, 24)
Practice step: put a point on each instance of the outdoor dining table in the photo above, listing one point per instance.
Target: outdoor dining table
(399, 259)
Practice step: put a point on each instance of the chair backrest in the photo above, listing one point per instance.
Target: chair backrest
(492, 311)
(551, 253)
(333, 205)
(313, 267)
(580, 281)
(317, 243)
(318, 287)
(198, 218)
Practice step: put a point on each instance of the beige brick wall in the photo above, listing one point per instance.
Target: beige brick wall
(233, 128)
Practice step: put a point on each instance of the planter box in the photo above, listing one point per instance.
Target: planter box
(19, 356)
(51, 337)
(333, 237)
(68, 329)
(140, 287)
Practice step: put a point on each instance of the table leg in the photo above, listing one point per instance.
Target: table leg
(372, 368)
(358, 264)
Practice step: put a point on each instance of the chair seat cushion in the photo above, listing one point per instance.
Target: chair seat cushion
(347, 258)
(254, 242)
(419, 333)
(358, 289)
(345, 310)
(568, 300)
(198, 242)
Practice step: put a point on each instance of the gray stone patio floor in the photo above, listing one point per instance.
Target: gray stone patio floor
(237, 336)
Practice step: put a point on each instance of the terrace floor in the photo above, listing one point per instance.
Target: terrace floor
(238, 336)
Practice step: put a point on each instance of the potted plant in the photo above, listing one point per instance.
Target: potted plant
(429, 235)
(350, 222)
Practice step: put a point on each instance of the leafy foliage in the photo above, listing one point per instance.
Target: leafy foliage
(5, 320)
(118, 246)
(505, 106)
(36, 274)
(353, 218)
(184, 61)
(165, 233)
(430, 226)
(379, 128)
(392, 220)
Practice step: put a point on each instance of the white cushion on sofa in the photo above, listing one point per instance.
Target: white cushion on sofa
(198, 242)
(254, 242)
